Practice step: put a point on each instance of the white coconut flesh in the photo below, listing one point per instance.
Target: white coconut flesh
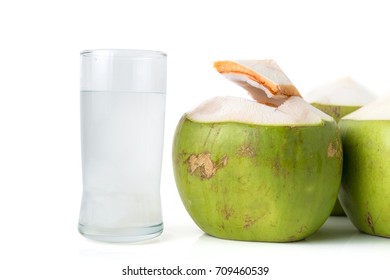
(342, 92)
(377, 110)
(294, 111)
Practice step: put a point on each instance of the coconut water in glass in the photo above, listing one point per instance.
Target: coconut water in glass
(122, 102)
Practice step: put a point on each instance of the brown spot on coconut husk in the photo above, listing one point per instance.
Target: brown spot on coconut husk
(249, 222)
(331, 150)
(204, 166)
(246, 151)
(370, 222)
(227, 212)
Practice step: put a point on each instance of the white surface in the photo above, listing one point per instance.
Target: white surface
(40, 156)
(337, 249)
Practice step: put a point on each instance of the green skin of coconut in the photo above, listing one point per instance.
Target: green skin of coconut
(337, 112)
(365, 191)
(257, 182)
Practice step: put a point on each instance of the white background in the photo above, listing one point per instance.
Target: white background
(40, 168)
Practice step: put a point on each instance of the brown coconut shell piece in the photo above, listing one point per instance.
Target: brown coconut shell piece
(263, 79)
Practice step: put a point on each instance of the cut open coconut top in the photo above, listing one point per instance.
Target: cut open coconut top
(277, 101)
(263, 79)
(294, 111)
(342, 92)
(377, 110)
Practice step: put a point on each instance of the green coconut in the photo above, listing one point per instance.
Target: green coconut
(338, 99)
(252, 171)
(365, 191)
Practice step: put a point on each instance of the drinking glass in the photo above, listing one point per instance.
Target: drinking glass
(122, 98)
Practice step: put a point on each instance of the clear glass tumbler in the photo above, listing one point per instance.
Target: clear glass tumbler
(122, 127)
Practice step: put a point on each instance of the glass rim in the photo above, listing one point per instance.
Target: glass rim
(129, 53)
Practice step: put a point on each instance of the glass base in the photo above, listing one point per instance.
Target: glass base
(122, 235)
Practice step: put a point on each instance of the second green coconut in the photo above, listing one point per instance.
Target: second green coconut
(338, 99)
